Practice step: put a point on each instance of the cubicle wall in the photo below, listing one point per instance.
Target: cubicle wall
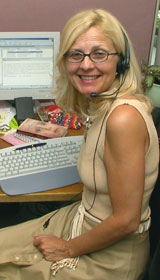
(50, 15)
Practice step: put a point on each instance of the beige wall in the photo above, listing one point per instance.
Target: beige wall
(50, 15)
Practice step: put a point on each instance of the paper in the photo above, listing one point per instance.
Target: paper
(7, 113)
(11, 139)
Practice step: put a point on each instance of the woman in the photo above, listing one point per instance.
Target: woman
(106, 235)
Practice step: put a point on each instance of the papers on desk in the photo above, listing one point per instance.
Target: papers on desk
(15, 138)
(7, 121)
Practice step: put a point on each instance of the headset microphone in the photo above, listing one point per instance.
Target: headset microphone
(95, 95)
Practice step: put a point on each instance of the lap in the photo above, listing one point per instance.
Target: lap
(19, 259)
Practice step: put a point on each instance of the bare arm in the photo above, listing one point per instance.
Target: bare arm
(125, 146)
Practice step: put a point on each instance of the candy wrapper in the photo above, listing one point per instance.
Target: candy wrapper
(70, 121)
(46, 112)
(55, 115)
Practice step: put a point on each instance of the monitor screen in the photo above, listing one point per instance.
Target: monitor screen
(27, 64)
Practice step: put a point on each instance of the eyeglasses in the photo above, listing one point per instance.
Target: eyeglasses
(95, 56)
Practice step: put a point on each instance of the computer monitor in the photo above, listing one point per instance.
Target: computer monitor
(27, 64)
(154, 46)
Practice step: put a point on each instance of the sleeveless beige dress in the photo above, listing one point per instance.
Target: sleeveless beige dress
(125, 260)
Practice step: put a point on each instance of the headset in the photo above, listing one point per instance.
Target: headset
(124, 61)
(122, 67)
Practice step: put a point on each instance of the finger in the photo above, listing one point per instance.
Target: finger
(37, 240)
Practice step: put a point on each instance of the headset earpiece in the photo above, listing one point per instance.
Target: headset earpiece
(124, 61)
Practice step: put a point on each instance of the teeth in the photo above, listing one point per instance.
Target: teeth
(88, 78)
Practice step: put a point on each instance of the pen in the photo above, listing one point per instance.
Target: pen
(30, 146)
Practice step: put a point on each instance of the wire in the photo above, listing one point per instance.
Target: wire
(95, 151)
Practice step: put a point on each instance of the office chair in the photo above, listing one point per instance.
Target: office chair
(153, 268)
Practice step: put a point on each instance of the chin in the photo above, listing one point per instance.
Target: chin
(87, 92)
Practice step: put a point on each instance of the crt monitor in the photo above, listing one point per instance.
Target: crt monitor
(27, 64)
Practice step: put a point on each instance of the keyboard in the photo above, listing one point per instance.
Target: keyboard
(36, 167)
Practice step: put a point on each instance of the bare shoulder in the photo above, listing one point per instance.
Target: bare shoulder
(126, 118)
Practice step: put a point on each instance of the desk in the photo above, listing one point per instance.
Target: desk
(70, 193)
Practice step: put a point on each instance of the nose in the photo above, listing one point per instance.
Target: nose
(87, 63)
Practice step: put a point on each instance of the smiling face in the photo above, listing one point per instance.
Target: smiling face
(88, 76)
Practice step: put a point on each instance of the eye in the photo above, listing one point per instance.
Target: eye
(75, 55)
(99, 54)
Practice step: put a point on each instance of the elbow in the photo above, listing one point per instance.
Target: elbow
(130, 226)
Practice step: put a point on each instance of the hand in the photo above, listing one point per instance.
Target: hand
(52, 247)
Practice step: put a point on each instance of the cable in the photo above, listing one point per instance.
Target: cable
(94, 155)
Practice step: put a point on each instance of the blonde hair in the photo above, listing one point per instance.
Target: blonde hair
(128, 83)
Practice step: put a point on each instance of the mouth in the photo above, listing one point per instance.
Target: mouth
(89, 78)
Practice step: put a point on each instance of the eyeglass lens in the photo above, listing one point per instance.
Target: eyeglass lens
(96, 56)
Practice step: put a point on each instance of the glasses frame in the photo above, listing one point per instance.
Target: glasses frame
(66, 55)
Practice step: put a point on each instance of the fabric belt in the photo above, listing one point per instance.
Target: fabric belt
(75, 231)
(145, 225)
